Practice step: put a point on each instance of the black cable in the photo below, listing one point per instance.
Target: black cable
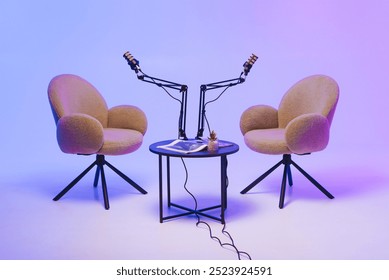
(160, 85)
(186, 181)
(199, 221)
(206, 120)
(213, 100)
(168, 93)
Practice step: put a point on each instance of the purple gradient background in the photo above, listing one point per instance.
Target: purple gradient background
(194, 42)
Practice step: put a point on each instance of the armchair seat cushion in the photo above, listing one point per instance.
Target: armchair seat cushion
(119, 141)
(267, 141)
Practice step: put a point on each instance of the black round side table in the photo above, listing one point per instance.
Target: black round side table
(227, 148)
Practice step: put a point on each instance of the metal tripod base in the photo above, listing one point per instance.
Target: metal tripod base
(287, 176)
(100, 162)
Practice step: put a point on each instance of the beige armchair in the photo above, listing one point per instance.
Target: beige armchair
(300, 125)
(86, 126)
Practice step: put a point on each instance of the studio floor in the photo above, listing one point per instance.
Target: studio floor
(352, 226)
(347, 40)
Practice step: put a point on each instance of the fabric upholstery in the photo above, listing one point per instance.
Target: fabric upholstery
(267, 141)
(314, 94)
(120, 141)
(85, 125)
(127, 116)
(72, 94)
(79, 134)
(259, 117)
(301, 124)
(307, 133)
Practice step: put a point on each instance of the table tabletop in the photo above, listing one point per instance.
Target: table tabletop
(230, 148)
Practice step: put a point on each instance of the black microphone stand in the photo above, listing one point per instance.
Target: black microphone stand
(222, 84)
(134, 64)
(203, 89)
(183, 89)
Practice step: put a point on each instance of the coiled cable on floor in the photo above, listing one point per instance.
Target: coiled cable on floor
(230, 244)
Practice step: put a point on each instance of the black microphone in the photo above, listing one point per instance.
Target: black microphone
(134, 64)
(249, 63)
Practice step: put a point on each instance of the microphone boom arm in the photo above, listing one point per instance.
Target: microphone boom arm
(134, 64)
(159, 82)
(183, 89)
(203, 89)
(222, 84)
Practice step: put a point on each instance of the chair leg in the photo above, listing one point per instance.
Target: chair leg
(287, 176)
(97, 174)
(283, 186)
(260, 178)
(313, 181)
(104, 188)
(74, 182)
(126, 178)
(290, 180)
(99, 162)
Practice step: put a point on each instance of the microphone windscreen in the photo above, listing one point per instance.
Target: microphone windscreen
(131, 60)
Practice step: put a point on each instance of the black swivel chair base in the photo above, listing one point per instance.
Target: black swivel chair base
(287, 161)
(100, 162)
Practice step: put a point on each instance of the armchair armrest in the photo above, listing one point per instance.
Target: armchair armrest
(258, 117)
(79, 134)
(307, 133)
(127, 116)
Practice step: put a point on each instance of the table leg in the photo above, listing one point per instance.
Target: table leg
(168, 180)
(160, 189)
(223, 173)
(223, 190)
